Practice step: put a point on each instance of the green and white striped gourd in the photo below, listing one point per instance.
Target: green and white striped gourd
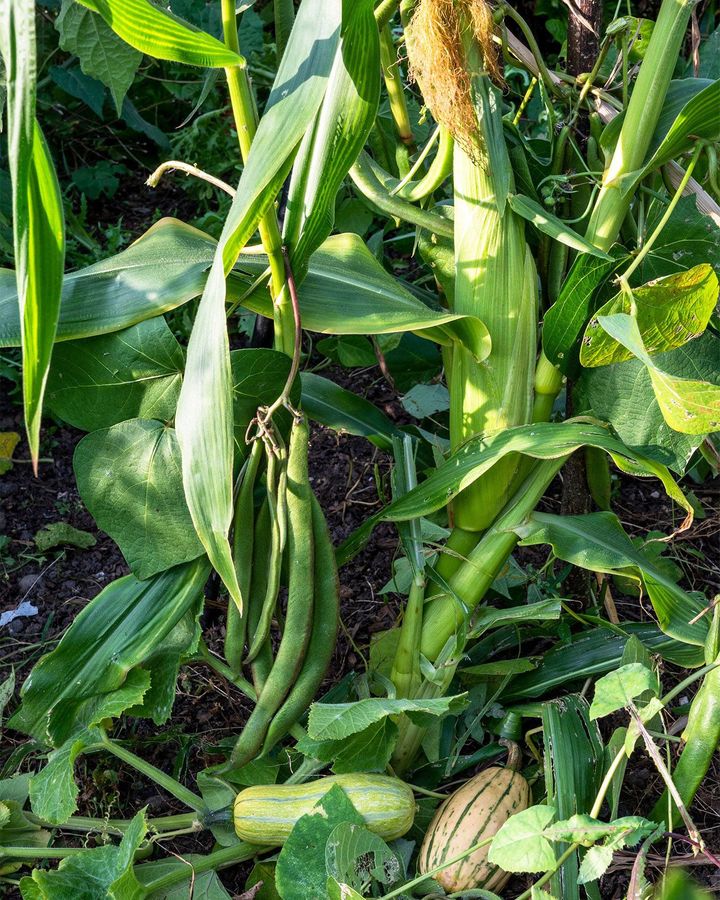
(266, 814)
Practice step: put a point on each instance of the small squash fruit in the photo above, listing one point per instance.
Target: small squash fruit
(474, 812)
(266, 814)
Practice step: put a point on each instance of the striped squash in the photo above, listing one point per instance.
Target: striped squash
(474, 812)
(265, 814)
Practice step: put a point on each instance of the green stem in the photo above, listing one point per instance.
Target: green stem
(10, 853)
(366, 176)
(643, 111)
(384, 11)
(220, 859)
(405, 674)
(450, 862)
(443, 615)
(246, 119)
(647, 246)
(170, 784)
(119, 826)
(395, 87)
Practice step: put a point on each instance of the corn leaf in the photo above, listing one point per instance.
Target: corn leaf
(549, 224)
(596, 652)
(598, 542)
(162, 35)
(544, 440)
(338, 134)
(123, 627)
(573, 769)
(204, 415)
(38, 224)
(161, 270)
(346, 291)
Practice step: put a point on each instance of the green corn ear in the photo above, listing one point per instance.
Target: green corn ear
(495, 280)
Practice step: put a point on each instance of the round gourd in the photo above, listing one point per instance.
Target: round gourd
(265, 814)
(474, 812)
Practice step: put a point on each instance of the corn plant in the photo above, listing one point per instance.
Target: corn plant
(571, 234)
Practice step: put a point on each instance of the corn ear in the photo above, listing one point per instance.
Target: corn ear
(495, 280)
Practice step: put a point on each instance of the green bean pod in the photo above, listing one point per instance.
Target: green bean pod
(277, 504)
(299, 617)
(236, 624)
(701, 734)
(262, 663)
(326, 618)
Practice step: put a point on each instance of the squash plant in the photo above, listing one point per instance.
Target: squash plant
(570, 247)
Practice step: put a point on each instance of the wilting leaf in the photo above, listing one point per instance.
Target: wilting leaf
(59, 533)
(8, 442)
(669, 313)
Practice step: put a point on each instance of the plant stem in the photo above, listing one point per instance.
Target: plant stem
(119, 826)
(170, 784)
(443, 615)
(647, 246)
(218, 860)
(245, 116)
(643, 112)
(419, 880)
(384, 11)
(395, 88)
(38, 853)
(405, 674)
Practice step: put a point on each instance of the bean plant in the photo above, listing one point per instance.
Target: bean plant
(563, 221)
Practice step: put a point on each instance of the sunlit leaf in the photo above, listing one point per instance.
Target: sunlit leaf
(38, 222)
(152, 30)
(669, 312)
